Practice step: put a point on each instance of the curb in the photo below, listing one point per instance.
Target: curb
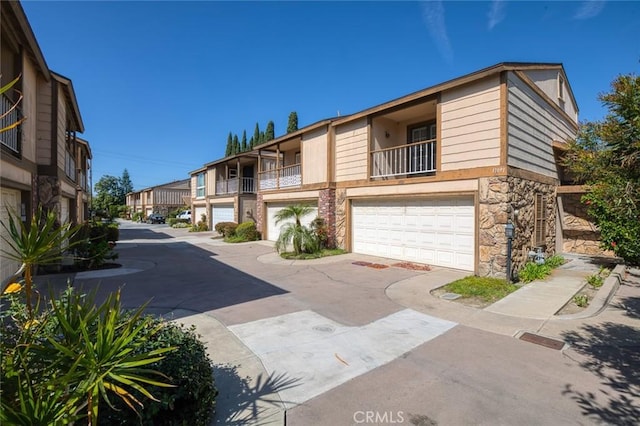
(602, 298)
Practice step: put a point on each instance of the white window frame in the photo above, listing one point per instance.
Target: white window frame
(200, 185)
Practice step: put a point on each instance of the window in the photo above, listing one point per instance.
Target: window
(540, 228)
(297, 158)
(233, 173)
(421, 157)
(560, 87)
(200, 185)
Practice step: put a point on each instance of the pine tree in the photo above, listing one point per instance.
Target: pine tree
(243, 144)
(269, 134)
(229, 149)
(252, 143)
(262, 139)
(292, 126)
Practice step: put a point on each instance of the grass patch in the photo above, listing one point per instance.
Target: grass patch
(485, 288)
(304, 256)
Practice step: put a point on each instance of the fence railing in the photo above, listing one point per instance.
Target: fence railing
(284, 177)
(230, 186)
(9, 138)
(404, 160)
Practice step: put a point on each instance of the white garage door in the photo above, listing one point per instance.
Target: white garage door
(433, 231)
(273, 229)
(222, 213)
(9, 199)
(196, 215)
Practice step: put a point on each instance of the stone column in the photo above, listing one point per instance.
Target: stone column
(327, 211)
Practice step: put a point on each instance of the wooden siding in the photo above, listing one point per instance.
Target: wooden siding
(470, 125)
(171, 197)
(44, 117)
(547, 81)
(351, 152)
(314, 156)
(29, 109)
(62, 127)
(532, 127)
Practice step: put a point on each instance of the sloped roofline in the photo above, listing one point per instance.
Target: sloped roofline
(86, 144)
(467, 78)
(295, 134)
(28, 37)
(71, 96)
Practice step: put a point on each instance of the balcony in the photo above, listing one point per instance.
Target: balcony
(230, 186)
(284, 177)
(9, 115)
(406, 160)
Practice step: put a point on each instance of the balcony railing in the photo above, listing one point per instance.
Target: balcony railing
(405, 160)
(11, 137)
(230, 186)
(284, 177)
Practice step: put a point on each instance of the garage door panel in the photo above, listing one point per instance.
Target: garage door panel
(436, 231)
(273, 229)
(222, 213)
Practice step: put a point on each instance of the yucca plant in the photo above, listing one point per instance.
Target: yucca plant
(39, 244)
(57, 366)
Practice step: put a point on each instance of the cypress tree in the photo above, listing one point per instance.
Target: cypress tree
(252, 143)
(292, 126)
(229, 149)
(256, 135)
(243, 144)
(236, 145)
(269, 134)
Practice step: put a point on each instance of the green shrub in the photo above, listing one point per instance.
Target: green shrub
(582, 300)
(91, 244)
(226, 229)
(533, 271)
(321, 232)
(52, 362)
(189, 368)
(595, 280)
(247, 231)
(137, 217)
(554, 261)
(181, 225)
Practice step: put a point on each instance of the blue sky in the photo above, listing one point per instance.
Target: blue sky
(161, 84)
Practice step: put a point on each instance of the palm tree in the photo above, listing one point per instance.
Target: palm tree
(294, 233)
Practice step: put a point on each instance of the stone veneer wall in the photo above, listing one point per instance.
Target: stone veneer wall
(258, 214)
(497, 196)
(327, 211)
(340, 217)
(49, 194)
(580, 235)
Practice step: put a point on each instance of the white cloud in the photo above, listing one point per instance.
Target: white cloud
(589, 9)
(433, 14)
(496, 13)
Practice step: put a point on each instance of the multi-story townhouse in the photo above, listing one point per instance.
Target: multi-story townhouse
(432, 177)
(435, 176)
(225, 190)
(43, 162)
(163, 198)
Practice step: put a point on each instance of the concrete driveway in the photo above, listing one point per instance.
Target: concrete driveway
(296, 340)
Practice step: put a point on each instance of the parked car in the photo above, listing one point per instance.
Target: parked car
(155, 218)
(186, 215)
